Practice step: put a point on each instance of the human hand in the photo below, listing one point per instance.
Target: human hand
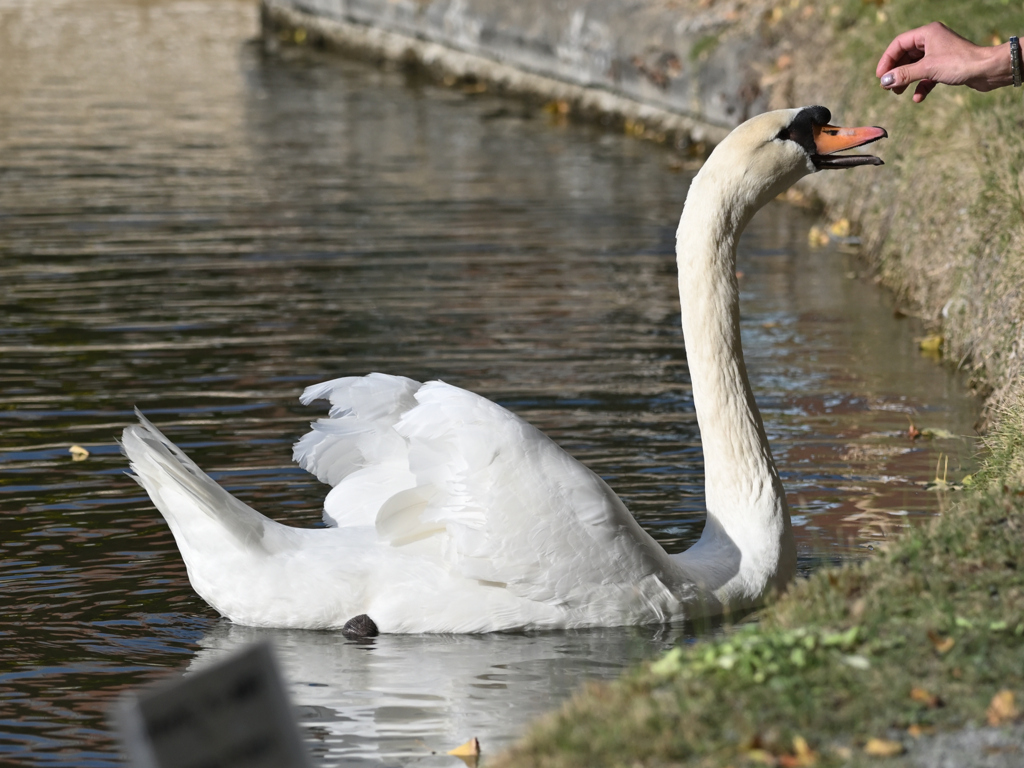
(935, 54)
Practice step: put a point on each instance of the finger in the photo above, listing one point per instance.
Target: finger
(899, 78)
(923, 89)
(908, 46)
(889, 82)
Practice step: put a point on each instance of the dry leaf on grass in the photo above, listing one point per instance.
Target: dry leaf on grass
(942, 645)
(921, 696)
(802, 756)
(1002, 709)
(883, 748)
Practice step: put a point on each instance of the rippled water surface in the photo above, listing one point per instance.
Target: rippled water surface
(197, 227)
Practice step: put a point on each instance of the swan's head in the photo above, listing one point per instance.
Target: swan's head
(768, 153)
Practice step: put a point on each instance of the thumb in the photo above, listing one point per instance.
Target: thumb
(899, 78)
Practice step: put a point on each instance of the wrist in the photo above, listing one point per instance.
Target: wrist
(995, 69)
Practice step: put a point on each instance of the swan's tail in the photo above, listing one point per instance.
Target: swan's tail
(203, 516)
(250, 568)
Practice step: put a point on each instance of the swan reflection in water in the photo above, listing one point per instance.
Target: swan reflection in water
(408, 699)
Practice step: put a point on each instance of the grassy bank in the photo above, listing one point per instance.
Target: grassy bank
(867, 662)
(853, 662)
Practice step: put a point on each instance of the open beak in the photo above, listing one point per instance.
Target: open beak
(829, 139)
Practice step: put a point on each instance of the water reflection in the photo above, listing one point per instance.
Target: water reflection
(409, 699)
(190, 225)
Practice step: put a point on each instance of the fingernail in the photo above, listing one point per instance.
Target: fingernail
(888, 79)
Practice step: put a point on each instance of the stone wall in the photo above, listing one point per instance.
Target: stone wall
(687, 66)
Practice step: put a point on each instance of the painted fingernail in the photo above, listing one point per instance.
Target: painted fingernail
(888, 79)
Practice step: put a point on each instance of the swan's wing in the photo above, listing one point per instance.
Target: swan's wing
(503, 503)
(356, 449)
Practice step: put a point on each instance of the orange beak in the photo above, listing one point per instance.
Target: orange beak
(829, 139)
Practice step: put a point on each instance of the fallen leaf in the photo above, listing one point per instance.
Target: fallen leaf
(942, 645)
(800, 747)
(468, 752)
(817, 237)
(803, 756)
(921, 696)
(792, 761)
(1002, 709)
(931, 344)
(840, 228)
(762, 756)
(883, 748)
(560, 107)
(78, 453)
(471, 747)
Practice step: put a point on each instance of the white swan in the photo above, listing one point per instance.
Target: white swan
(450, 514)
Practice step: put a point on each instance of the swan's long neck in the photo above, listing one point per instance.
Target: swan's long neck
(748, 524)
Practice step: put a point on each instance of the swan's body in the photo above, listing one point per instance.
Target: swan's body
(450, 514)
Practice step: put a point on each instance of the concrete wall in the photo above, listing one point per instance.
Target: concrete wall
(673, 64)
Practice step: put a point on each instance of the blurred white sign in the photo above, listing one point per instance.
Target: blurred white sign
(234, 714)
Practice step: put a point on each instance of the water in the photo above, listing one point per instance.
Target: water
(196, 227)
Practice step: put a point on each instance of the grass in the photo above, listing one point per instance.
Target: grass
(861, 661)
